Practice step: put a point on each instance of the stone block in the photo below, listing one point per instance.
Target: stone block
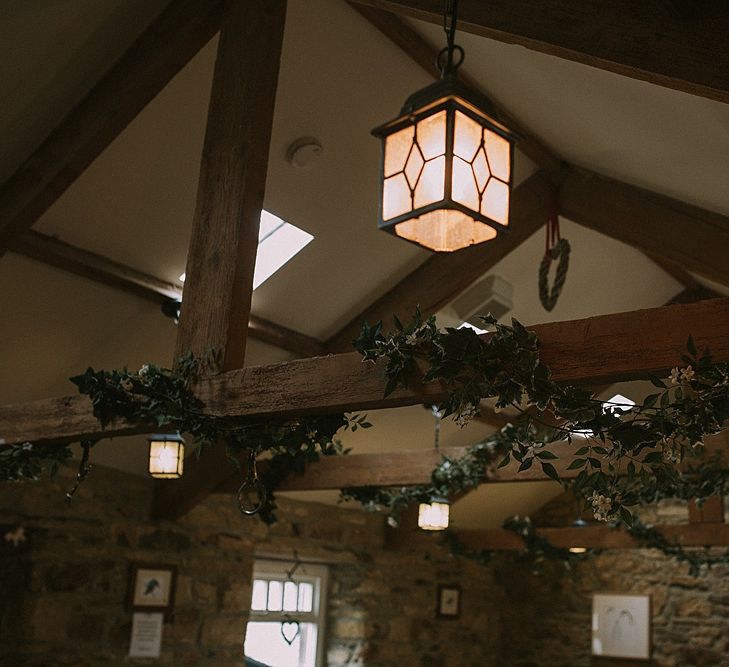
(228, 630)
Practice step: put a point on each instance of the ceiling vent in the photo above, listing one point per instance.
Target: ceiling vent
(490, 295)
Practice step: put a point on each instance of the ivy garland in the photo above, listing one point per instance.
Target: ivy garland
(626, 456)
(164, 397)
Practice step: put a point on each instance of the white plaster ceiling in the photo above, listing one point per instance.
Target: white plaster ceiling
(339, 78)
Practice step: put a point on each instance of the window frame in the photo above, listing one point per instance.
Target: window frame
(314, 573)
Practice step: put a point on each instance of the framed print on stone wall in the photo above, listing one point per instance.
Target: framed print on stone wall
(621, 625)
(152, 587)
(449, 601)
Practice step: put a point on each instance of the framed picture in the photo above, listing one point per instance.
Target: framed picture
(449, 601)
(621, 625)
(152, 587)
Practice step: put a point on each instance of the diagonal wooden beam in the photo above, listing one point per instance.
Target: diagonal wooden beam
(648, 42)
(435, 282)
(694, 238)
(100, 269)
(417, 48)
(588, 351)
(164, 48)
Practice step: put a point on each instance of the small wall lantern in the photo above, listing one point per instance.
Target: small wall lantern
(434, 515)
(166, 456)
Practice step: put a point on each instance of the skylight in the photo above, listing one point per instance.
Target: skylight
(278, 242)
(617, 402)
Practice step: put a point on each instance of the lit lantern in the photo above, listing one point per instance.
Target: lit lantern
(166, 456)
(434, 515)
(447, 165)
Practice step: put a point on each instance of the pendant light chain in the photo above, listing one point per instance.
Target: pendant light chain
(450, 19)
(438, 415)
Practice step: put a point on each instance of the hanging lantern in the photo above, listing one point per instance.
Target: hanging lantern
(578, 523)
(166, 456)
(447, 163)
(434, 515)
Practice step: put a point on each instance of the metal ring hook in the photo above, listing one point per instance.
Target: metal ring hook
(251, 484)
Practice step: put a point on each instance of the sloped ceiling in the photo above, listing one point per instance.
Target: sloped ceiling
(339, 78)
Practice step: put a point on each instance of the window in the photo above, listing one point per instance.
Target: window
(288, 608)
(278, 242)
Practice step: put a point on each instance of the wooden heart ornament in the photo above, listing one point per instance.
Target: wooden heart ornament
(290, 631)
(559, 251)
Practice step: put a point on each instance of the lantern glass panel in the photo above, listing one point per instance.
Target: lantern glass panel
(431, 186)
(495, 202)
(166, 458)
(434, 515)
(396, 198)
(468, 135)
(445, 229)
(431, 134)
(499, 154)
(481, 170)
(464, 184)
(397, 149)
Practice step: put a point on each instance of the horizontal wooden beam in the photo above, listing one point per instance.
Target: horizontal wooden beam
(164, 48)
(589, 351)
(649, 42)
(694, 238)
(436, 282)
(597, 537)
(100, 269)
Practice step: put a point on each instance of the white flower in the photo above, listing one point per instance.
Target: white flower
(27, 446)
(392, 522)
(466, 412)
(601, 506)
(687, 374)
(143, 371)
(675, 374)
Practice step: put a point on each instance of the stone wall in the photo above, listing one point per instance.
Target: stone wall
(547, 618)
(64, 589)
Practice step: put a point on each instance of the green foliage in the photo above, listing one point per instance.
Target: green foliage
(626, 456)
(163, 398)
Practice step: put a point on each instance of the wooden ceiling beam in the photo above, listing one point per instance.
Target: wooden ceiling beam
(221, 259)
(440, 278)
(589, 351)
(54, 252)
(595, 537)
(648, 42)
(162, 50)
(695, 239)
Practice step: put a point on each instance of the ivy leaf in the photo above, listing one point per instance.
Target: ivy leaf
(626, 517)
(577, 463)
(550, 471)
(545, 455)
(691, 346)
(526, 464)
(505, 461)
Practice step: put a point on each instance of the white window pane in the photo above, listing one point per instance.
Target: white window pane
(306, 596)
(260, 595)
(275, 594)
(265, 643)
(289, 596)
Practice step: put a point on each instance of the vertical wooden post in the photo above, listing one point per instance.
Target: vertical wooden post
(221, 259)
(216, 301)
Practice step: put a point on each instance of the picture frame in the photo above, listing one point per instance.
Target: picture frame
(621, 625)
(448, 602)
(152, 587)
